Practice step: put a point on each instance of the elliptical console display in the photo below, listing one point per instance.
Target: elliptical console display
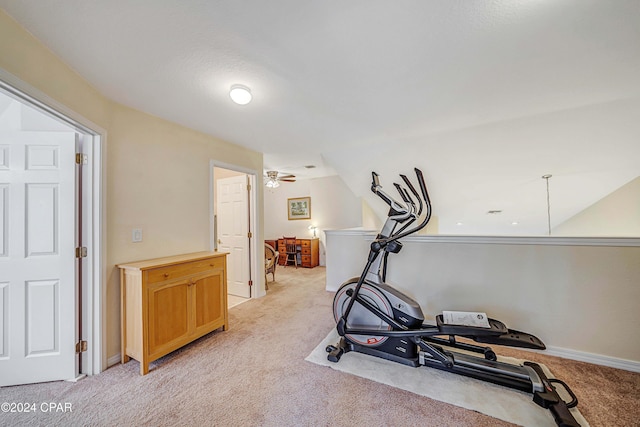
(376, 319)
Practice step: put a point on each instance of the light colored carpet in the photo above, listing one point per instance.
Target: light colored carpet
(255, 374)
(499, 402)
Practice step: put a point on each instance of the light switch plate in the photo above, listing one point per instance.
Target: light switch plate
(136, 235)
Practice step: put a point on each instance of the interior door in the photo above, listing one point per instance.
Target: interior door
(233, 232)
(37, 257)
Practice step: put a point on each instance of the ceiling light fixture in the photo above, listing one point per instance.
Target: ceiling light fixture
(272, 183)
(240, 94)
(272, 180)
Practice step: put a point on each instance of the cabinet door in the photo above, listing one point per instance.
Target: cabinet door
(168, 316)
(210, 302)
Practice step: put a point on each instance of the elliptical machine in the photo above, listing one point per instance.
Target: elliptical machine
(376, 319)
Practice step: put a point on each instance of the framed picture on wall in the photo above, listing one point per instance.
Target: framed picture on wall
(299, 208)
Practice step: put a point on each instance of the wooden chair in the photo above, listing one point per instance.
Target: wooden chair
(270, 262)
(291, 250)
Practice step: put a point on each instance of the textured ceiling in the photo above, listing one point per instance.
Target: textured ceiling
(485, 96)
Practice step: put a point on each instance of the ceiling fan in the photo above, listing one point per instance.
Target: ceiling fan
(272, 179)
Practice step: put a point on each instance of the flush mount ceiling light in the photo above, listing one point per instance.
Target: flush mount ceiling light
(240, 94)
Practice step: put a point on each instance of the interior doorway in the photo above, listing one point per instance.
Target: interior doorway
(50, 256)
(234, 229)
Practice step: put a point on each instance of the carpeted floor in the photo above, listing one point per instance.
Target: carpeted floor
(509, 405)
(255, 375)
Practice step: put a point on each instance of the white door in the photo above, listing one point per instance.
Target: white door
(233, 232)
(37, 257)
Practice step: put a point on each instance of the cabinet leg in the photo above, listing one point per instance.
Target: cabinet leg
(144, 368)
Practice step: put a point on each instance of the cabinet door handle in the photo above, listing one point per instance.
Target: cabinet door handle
(166, 275)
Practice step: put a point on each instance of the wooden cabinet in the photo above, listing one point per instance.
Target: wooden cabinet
(169, 302)
(309, 252)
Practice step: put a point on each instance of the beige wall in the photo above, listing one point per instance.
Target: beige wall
(370, 220)
(618, 214)
(333, 206)
(157, 172)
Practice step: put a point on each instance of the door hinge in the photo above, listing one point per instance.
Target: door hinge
(249, 234)
(248, 187)
(82, 159)
(250, 283)
(81, 346)
(81, 252)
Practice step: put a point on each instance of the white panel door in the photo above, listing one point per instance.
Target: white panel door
(233, 232)
(37, 257)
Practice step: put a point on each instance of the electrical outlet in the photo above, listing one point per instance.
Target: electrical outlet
(136, 235)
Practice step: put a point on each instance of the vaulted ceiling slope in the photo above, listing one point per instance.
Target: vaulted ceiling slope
(485, 96)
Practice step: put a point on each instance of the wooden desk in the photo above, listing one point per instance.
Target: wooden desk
(272, 243)
(309, 252)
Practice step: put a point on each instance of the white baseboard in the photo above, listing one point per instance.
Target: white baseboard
(113, 360)
(581, 356)
(76, 379)
(596, 359)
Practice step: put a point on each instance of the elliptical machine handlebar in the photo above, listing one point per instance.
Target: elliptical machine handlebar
(406, 197)
(376, 188)
(397, 212)
(413, 190)
(423, 185)
(411, 204)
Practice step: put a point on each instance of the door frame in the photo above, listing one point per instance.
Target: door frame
(94, 360)
(254, 252)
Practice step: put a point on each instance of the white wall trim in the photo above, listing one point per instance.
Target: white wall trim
(504, 240)
(596, 359)
(581, 356)
(255, 267)
(47, 104)
(97, 260)
(530, 240)
(351, 232)
(114, 360)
